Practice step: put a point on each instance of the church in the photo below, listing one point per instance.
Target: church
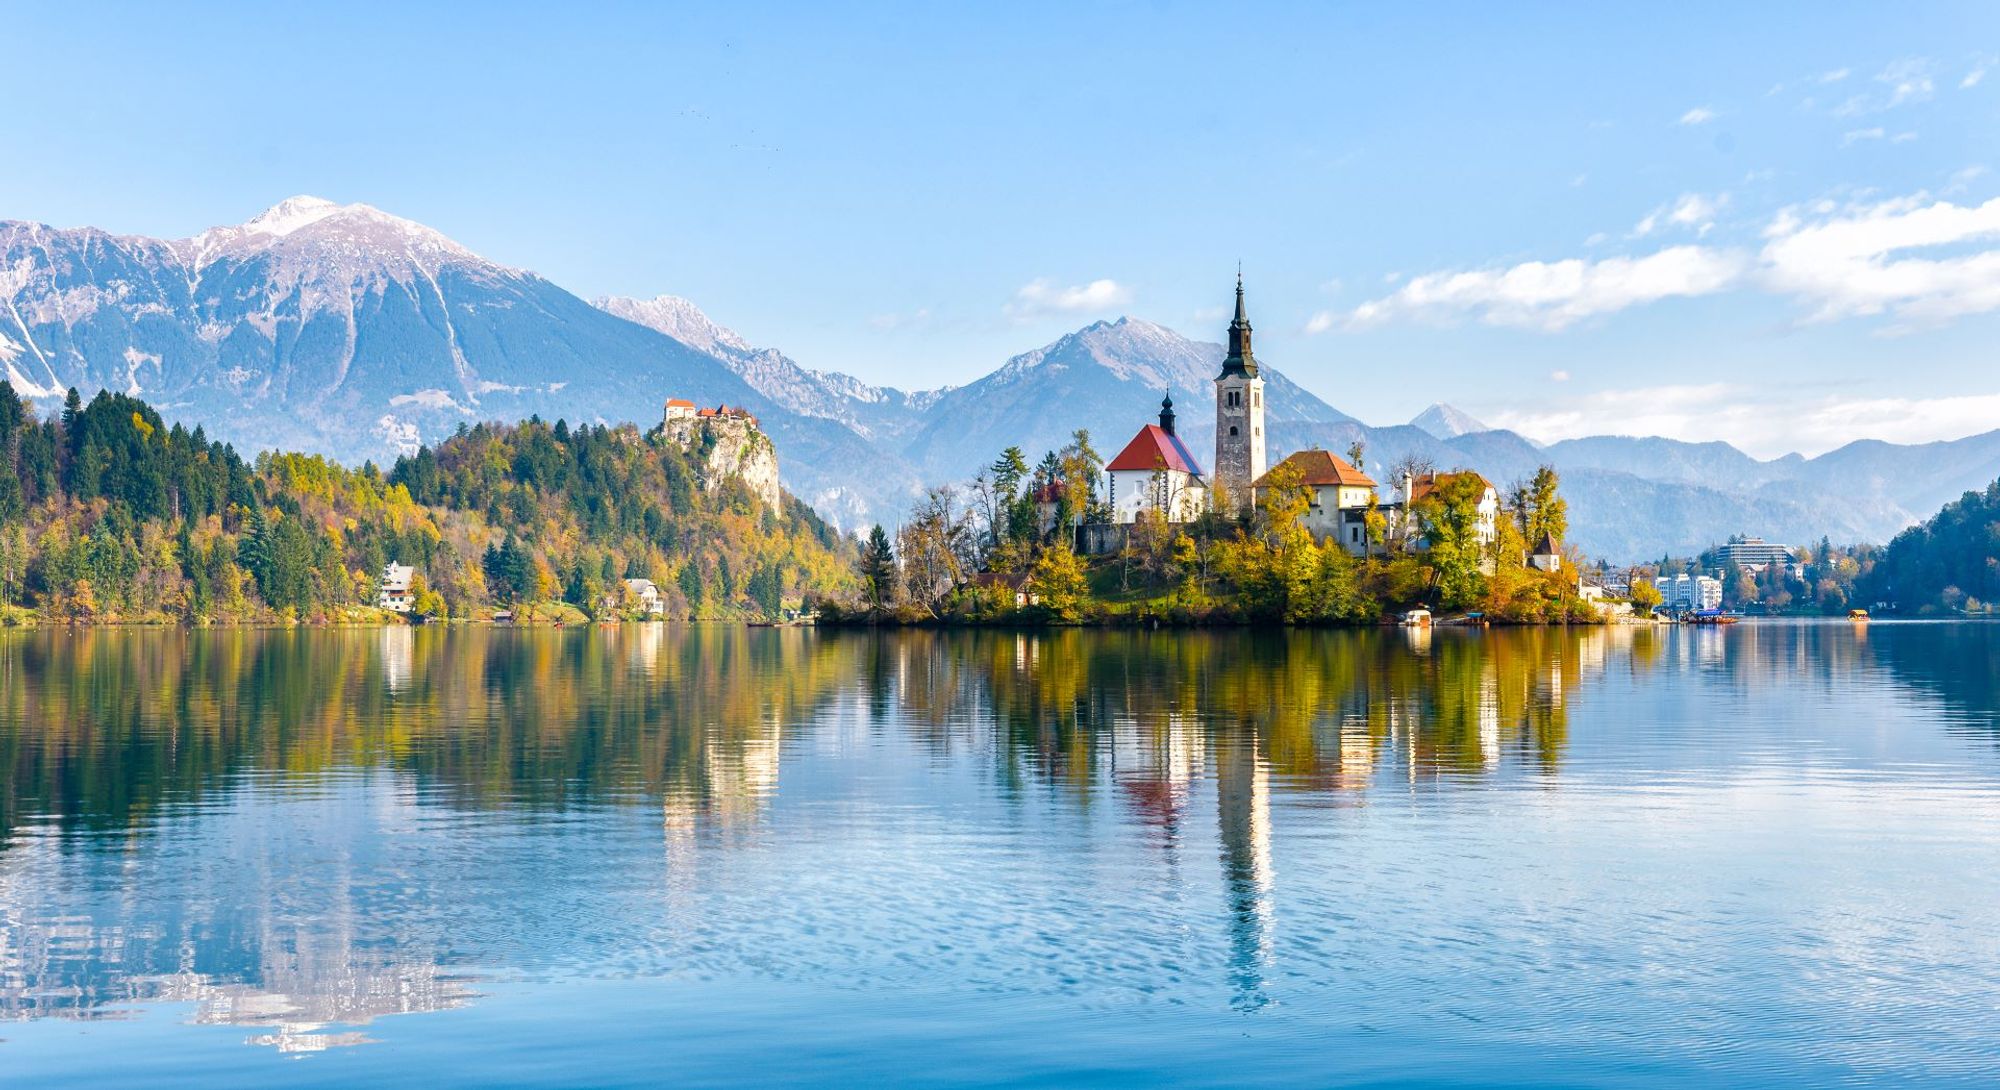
(1156, 471)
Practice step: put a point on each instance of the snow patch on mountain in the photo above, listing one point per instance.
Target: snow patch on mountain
(1446, 422)
(677, 318)
(429, 399)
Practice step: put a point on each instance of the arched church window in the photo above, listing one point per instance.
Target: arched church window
(1232, 429)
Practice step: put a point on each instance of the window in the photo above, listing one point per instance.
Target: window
(1232, 429)
(1257, 399)
(1233, 396)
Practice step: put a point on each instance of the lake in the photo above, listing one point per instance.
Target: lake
(1767, 854)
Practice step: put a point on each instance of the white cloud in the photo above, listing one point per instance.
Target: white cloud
(1554, 295)
(1902, 138)
(1766, 423)
(1855, 136)
(1041, 297)
(1558, 376)
(1322, 322)
(1836, 75)
(1691, 210)
(1700, 115)
(1860, 259)
(1842, 261)
(1964, 177)
(1908, 80)
(1973, 77)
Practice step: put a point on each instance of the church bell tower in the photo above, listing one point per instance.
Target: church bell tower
(1239, 413)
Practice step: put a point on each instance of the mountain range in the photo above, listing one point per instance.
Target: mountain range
(349, 331)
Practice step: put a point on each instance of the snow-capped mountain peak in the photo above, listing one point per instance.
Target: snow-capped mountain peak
(677, 318)
(291, 214)
(335, 237)
(1445, 422)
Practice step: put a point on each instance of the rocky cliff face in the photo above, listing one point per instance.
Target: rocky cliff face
(726, 447)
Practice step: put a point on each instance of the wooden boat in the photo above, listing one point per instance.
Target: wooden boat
(1712, 616)
(1857, 614)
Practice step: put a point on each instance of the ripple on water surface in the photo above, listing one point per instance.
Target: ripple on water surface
(1625, 856)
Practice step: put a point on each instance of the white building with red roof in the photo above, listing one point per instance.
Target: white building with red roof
(1341, 496)
(1157, 472)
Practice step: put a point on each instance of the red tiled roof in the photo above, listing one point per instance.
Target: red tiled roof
(1424, 483)
(1152, 448)
(679, 403)
(1321, 467)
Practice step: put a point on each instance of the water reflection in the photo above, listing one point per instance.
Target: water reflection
(304, 832)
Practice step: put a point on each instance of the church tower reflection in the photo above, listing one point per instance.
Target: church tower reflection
(1243, 814)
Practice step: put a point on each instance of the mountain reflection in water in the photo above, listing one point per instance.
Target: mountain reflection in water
(302, 832)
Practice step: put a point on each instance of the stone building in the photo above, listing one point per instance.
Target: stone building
(736, 447)
(1239, 413)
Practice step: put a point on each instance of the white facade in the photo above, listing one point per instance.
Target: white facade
(1179, 496)
(394, 591)
(1486, 524)
(1686, 591)
(647, 594)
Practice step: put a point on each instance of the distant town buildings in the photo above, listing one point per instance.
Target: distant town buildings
(394, 592)
(1754, 554)
(1685, 592)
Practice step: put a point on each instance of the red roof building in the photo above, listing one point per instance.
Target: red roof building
(1154, 448)
(1156, 471)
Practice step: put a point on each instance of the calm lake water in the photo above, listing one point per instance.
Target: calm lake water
(1762, 855)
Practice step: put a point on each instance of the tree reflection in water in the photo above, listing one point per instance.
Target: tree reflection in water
(279, 740)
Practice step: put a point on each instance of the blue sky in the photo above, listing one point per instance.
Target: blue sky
(1768, 223)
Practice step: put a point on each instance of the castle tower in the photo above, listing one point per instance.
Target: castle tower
(1239, 412)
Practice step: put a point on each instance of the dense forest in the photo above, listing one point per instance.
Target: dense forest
(107, 513)
(1949, 564)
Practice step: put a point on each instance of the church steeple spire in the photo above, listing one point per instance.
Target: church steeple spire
(1167, 413)
(1240, 361)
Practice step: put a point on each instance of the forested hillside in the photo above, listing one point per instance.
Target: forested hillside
(1949, 563)
(108, 514)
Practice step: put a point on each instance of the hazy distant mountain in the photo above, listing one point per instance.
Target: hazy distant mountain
(1108, 377)
(1445, 422)
(874, 412)
(346, 330)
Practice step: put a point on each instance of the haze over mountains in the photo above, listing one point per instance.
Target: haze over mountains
(346, 330)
